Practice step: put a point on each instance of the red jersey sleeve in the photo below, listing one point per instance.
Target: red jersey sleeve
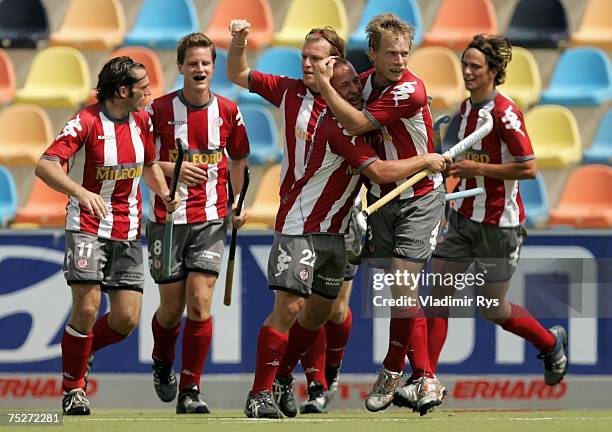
(512, 131)
(270, 87)
(355, 149)
(238, 141)
(70, 139)
(403, 100)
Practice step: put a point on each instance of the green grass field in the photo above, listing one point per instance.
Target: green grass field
(342, 420)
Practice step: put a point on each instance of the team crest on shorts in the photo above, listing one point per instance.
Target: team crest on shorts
(156, 263)
(304, 274)
(82, 262)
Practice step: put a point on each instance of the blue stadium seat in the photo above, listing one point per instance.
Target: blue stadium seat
(278, 61)
(582, 77)
(407, 10)
(145, 195)
(601, 149)
(538, 24)
(161, 23)
(535, 199)
(23, 23)
(261, 128)
(8, 196)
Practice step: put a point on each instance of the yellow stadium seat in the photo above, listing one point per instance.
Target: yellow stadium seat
(25, 132)
(586, 201)
(554, 136)
(91, 25)
(303, 15)
(439, 68)
(262, 213)
(523, 83)
(58, 78)
(596, 26)
(7, 78)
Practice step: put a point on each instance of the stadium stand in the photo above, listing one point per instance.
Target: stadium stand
(44, 207)
(25, 132)
(601, 149)
(23, 23)
(145, 194)
(263, 139)
(586, 201)
(161, 23)
(596, 26)
(582, 77)
(7, 78)
(457, 22)
(91, 25)
(257, 12)
(523, 82)
(555, 136)
(265, 205)
(8, 197)
(151, 62)
(535, 201)
(538, 24)
(440, 69)
(304, 15)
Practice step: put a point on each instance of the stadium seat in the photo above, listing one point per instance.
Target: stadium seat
(91, 25)
(58, 78)
(440, 70)
(8, 197)
(44, 207)
(582, 77)
(261, 128)
(279, 61)
(262, 213)
(359, 59)
(554, 136)
(407, 10)
(601, 149)
(538, 24)
(145, 195)
(303, 15)
(25, 132)
(257, 12)
(457, 22)
(535, 201)
(586, 201)
(161, 23)
(523, 82)
(596, 26)
(151, 62)
(23, 23)
(7, 78)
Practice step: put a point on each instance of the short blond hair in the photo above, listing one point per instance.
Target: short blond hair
(387, 24)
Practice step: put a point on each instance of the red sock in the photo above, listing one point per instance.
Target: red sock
(337, 336)
(300, 340)
(437, 329)
(399, 336)
(104, 335)
(521, 323)
(164, 341)
(196, 341)
(271, 345)
(418, 355)
(75, 352)
(313, 361)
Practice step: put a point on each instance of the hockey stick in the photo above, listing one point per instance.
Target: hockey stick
(464, 194)
(229, 274)
(454, 151)
(167, 244)
(443, 119)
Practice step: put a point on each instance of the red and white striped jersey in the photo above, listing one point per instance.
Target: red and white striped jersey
(300, 110)
(401, 112)
(501, 203)
(209, 131)
(106, 156)
(321, 200)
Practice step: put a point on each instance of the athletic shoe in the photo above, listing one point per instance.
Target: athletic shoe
(189, 402)
(88, 370)
(431, 393)
(317, 400)
(407, 393)
(164, 381)
(332, 373)
(381, 395)
(75, 403)
(555, 362)
(262, 405)
(283, 395)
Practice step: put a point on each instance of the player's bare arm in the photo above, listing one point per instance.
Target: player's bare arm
(191, 174)
(52, 173)
(382, 172)
(154, 177)
(506, 171)
(237, 178)
(237, 66)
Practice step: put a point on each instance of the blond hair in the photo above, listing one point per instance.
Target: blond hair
(387, 24)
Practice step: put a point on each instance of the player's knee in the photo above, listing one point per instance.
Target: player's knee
(170, 313)
(123, 323)
(338, 313)
(85, 315)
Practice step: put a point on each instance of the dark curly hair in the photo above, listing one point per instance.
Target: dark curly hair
(497, 51)
(117, 72)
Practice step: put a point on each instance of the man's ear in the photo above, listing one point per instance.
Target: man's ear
(123, 92)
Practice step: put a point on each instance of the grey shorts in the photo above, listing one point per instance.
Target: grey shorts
(112, 264)
(196, 247)
(354, 242)
(494, 250)
(307, 264)
(405, 228)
